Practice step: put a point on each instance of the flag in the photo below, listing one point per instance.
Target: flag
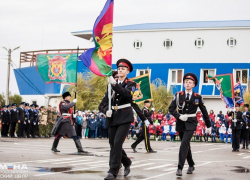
(224, 84)
(238, 94)
(57, 68)
(228, 101)
(99, 58)
(143, 90)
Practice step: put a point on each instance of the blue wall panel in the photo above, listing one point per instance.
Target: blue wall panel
(207, 90)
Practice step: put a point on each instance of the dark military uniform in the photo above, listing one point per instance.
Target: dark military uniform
(64, 126)
(27, 122)
(145, 134)
(236, 129)
(33, 119)
(5, 115)
(245, 129)
(21, 117)
(13, 120)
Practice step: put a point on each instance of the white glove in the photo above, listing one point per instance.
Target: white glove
(74, 115)
(75, 100)
(111, 80)
(146, 123)
(235, 120)
(209, 130)
(183, 117)
(230, 118)
(153, 109)
(109, 113)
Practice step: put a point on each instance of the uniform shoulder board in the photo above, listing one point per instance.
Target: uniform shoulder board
(180, 92)
(196, 94)
(131, 81)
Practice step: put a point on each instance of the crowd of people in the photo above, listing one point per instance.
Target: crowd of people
(39, 121)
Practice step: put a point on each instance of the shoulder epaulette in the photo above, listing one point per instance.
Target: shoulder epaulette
(181, 92)
(195, 94)
(131, 81)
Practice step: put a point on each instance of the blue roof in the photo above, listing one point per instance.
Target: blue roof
(181, 25)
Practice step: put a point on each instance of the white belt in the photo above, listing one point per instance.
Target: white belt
(189, 115)
(121, 106)
(66, 114)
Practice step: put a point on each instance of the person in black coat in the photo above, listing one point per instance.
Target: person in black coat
(5, 121)
(32, 123)
(245, 127)
(14, 120)
(119, 117)
(21, 119)
(64, 126)
(187, 103)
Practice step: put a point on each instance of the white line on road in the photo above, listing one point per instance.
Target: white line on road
(71, 161)
(153, 177)
(87, 163)
(155, 167)
(141, 165)
(241, 154)
(197, 152)
(246, 157)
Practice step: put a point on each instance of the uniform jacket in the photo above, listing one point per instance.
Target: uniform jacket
(14, 115)
(5, 116)
(246, 120)
(190, 108)
(33, 115)
(239, 122)
(147, 114)
(21, 114)
(92, 124)
(122, 94)
(64, 126)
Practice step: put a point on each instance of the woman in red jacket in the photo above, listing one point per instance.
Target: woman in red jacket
(212, 117)
(198, 132)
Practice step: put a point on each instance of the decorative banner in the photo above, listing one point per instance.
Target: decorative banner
(238, 93)
(224, 84)
(99, 59)
(57, 68)
(143, 89)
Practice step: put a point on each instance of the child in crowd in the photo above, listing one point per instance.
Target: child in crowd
(165, 131)
(92, 126)
(212, 117)
(158, 130)
(229, 134)
(222, 132)
(213, 133)
(198, 132)
(84, 125)
(172, 131)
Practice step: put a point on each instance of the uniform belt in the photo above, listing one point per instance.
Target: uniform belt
(121, 106)
(66, 114)
(189, 115)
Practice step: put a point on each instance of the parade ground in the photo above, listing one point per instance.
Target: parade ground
(33, 159)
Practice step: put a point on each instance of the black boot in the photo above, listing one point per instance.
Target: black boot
(54, 146)
(79, 146)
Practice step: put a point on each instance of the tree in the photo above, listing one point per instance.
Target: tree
(2, 99)
(15, 99)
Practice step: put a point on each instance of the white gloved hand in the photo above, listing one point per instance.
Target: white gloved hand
(146, 123)
(209, 130)
(74, 115)
(109, 113)
(153, 109)
(235, 120)
(75, 100)
(230, 118)
(111, 80)
(183, 117)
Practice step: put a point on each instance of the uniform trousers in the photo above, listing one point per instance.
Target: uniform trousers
(185, 149)
(144, 135)
(12, 129)
(20, 129)
(245, 137)
(236, 138)
(117, 135)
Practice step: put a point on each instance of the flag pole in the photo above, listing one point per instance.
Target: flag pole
(109, 95)
(76, 76)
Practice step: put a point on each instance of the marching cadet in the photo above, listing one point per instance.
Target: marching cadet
(13, 120)
(21, 120)
(246, 126)
(187, 103)
(64, 126)
(5, 121)
(145, 134)
(120, 117)
(236, 125)
(27, 120)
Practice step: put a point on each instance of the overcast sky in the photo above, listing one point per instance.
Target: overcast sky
(47, 24)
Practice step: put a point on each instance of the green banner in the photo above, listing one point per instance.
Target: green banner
(57, 68)
(224, 84)
(143, 89)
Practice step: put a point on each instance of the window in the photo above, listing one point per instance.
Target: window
(241, 75)
(167, 43)
(231, 42)
(137, 44)
(141, 72)
(34, 102)
(205, 73)
(199, 42)
(176, 76)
